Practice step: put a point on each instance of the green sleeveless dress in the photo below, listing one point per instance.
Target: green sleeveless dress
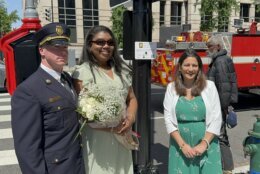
(191, 125)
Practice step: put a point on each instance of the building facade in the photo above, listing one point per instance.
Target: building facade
(80, 15)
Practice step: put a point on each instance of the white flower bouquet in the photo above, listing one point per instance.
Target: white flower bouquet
(101, 107)
(105, 107)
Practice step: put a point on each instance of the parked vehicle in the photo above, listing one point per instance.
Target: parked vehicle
(243, 48)
(2, 76)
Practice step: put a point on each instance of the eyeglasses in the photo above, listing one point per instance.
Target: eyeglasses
(103, 42)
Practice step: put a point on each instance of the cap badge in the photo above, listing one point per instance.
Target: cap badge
(59, 30)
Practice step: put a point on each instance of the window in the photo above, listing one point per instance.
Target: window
(90, 14)
(162, 12)
(176, 13)
(67, 16)
(257, 13)
(244, 12)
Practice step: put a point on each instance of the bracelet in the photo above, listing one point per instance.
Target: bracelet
(182, 146)
(204, 139)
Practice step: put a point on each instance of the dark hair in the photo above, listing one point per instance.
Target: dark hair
(88, 57)
(200, 80)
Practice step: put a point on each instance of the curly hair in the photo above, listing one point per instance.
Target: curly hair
(88, 57)
(200, 80)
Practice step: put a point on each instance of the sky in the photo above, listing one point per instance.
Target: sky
(15, 5)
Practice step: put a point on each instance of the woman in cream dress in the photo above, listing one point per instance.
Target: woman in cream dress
(102, 66)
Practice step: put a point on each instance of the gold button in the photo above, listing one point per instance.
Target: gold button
(56, 160)
(81, 145)
(59, 107)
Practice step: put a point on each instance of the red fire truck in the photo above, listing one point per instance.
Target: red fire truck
(243, 48)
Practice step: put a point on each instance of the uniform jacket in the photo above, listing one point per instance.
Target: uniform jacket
(44, 124)
(211, 101)
(222, 73)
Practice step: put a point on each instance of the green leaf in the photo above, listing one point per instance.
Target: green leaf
(6, 20)
(80, 130)
(222, 8)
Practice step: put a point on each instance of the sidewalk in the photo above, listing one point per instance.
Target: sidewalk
(242, 169)
(246, 121)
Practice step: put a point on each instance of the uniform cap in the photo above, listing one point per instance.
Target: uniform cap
(53, 34)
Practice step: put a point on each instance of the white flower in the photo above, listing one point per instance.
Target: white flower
(103, 105)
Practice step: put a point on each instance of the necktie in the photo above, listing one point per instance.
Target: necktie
(66, 85)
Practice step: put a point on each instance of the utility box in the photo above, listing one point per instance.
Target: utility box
(20, 53)
(26, 57)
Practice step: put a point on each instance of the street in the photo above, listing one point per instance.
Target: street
(8, 161)
(159, 145)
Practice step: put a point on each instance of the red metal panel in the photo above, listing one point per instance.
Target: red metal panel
(245, 45)
(244, 75)
(256, 74)
(247, 73)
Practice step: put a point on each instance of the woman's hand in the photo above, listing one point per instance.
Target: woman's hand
(188, 151)
(200, 148)
(125, 126)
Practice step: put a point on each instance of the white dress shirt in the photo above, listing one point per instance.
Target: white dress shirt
(56, 75)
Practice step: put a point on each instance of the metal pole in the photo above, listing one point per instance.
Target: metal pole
(52, 17)
(142, 22)
(30, 11)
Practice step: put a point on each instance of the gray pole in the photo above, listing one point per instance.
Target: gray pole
(30, 10)
(52, 17)
(142, 22)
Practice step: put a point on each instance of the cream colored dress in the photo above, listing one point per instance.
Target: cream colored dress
(103, 154)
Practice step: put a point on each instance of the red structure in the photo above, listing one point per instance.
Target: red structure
(243, 48)
(29, 25)
(253, 27)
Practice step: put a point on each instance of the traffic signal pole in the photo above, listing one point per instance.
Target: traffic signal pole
(142, 31)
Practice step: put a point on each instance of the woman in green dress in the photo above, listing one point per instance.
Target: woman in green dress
(101, 65)
(193, 119)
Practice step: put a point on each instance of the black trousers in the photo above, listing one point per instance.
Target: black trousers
(226, 155)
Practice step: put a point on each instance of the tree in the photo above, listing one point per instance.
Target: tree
(257, 3)
(6, 19)
(117, 24)
(215, 13)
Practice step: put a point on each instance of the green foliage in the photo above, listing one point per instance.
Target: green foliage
(257, 3)
(117, 21)
(222, 10)
(6, 19)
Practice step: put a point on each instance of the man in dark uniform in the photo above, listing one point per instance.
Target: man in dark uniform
(44, 121)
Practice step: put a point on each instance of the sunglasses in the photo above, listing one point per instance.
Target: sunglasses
(103, 42)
